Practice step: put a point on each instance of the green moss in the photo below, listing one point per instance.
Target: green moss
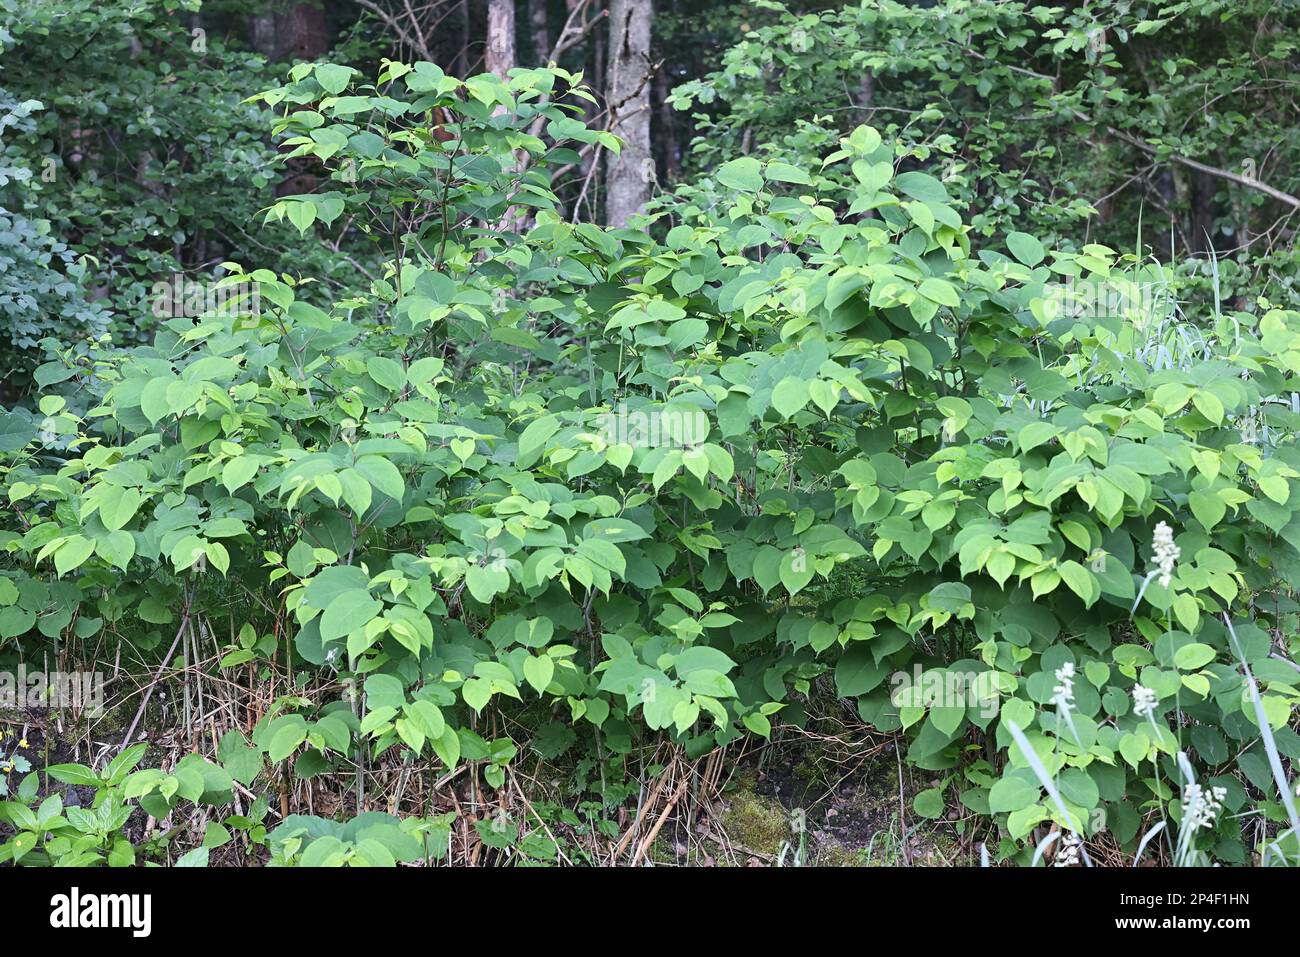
(837, 855)
(755, 822)
(662, 852)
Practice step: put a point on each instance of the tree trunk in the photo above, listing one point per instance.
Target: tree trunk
(540, 28)
(500, 37)
(627, 92)
(665, 138)
(501, 59)
(301, 32)
(462, 55)
(262, 28)
(1204, 209)
(866, 94)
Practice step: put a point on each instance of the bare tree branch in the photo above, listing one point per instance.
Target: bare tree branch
(1152, 149)
(1221, 173)
(572, 33)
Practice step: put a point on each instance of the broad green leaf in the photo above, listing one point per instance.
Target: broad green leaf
(744, 174)
(538, 670)
(789, 396)
(74, 550)
(1026, 248)
(347, 613)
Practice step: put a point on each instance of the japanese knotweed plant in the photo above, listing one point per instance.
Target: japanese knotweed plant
(807, 439)
(49, 832)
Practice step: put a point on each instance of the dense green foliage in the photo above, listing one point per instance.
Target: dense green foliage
(1058, 121)
(141, 158)
(866, 414)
